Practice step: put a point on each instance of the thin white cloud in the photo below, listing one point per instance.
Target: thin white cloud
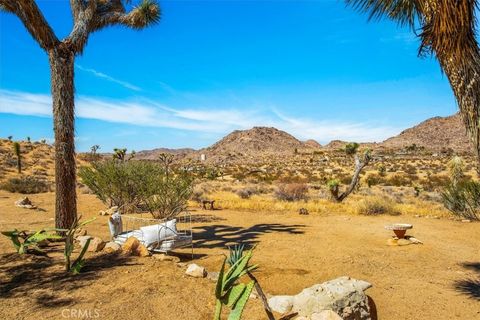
(202, 121)
(109, 78)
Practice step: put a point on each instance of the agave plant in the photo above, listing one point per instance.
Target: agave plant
(78, 263)
(229, 291)
(24, 242)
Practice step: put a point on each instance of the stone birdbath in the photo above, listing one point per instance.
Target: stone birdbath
(399, 229)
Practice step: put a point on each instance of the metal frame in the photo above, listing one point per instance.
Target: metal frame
(183, 236)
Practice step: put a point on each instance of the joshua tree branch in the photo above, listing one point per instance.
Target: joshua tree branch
(29, 13)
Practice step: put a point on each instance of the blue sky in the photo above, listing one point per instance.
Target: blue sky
(315, 69)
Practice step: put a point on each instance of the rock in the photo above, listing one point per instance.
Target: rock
(164, 257)
(466, 221)
(403, 242)
(303, 211)
(302, 318)
(281, 304)
(82, 240)
(109, 211)
(196, 271)
(253, 295)
(415, 240)
(130, 246)
(325, 315)
(392, 242)
(142, 251)
(181, 264)
(212, 275)
(112, 247)
(345, 296)
(96, 244)
(25, 203)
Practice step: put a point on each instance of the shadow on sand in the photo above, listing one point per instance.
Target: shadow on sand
(470, 286)
(220, 236)
(44, 280)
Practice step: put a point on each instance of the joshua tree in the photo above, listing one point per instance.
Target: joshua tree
(447, 30)
(119, 154)
(351, 148)
(88, 16)
(93, 152)
(333, 185)
(17, 151)
(10, 138)
(29, 140)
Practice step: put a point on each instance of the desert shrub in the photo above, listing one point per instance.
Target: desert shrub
(246, 193)
(463, 199)
(399, 180)
(373, 206)
(373, 179)
(435, 182)
(25, 185)
(292, 192)
(133, 185)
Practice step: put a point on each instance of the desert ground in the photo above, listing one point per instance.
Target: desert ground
(439, 279)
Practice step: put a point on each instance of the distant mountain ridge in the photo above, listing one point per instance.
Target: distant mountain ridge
(434, 134)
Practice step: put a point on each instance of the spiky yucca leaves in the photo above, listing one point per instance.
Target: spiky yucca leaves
(24, 243)
(236, 253)
(78, 264)
(229, 291)
(447, 30)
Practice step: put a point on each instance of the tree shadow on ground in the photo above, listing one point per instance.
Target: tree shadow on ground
(220, 236)
(44, 280)
(202, 218)
(470, 286)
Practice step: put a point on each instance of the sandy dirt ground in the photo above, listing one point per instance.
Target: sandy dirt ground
(437, 280)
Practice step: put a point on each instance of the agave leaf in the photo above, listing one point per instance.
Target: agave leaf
(237, 310)
(220, 282)
(238, 269)
(80, 262)
(42, 235)
(234, 294)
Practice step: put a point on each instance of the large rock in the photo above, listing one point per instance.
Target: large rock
(325, 315)
(345, 296)
(82, 240)
(133, 247)
(112, 247)
(130, 246)
(196, 271)
(96, 244)
(281, 304)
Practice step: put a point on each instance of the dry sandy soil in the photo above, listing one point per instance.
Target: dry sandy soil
(437, 280)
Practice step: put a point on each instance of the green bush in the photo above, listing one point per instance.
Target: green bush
(463, 199)
(25, 185)
(134, 185)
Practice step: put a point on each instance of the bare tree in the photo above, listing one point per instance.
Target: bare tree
(88, 16)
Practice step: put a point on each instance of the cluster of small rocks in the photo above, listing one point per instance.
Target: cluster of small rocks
(108, 212)
(25, 203)
(341, 298)
(131, 247)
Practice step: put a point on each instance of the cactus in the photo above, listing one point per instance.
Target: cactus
(78, 264)
(229, 291)
(17, 151)
(25, 243)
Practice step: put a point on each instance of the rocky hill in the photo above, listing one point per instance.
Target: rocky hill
(254, 143)
(435, 134)
(153, 154)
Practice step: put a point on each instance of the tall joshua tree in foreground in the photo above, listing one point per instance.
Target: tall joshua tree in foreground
(447, 30)
(88, 16)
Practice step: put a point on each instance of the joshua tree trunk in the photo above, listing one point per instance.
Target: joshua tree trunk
(457, 51)
(62, 69)
(359, 165)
